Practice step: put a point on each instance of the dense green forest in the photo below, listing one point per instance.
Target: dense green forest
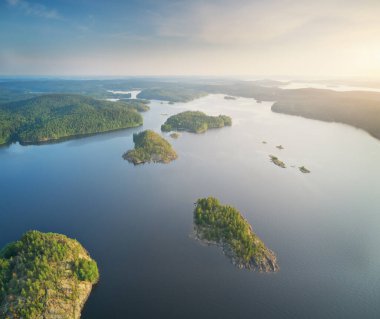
(224, 225)
(44, 273)
(150, 147)
(57, 116)
(360, 109)
(195, 121)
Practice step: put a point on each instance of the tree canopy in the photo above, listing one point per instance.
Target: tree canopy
(225, 225)
(195, 121)
(150, 147)
(41, 268)
(57, 116)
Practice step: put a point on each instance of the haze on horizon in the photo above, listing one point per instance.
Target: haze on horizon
(178, 37)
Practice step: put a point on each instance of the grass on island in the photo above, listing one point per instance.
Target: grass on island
(195, 121)
(57, 116)
(225, 226)
(150, 147)
(42, 273)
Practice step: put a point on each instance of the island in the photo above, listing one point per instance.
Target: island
(174, 135)
(224, 226)
(195, 122)
(172, 93)
(304, 170)
(276, 161)
(280, 147)
(150, 147)
(45, 275)
(228, 97)
(320, 104)
(53, 117)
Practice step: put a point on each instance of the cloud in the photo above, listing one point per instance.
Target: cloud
(252, 23)
(35, 9)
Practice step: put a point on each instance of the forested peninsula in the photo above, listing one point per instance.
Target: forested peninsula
(224, 226)
(150, 147)
(195, 122)
(57, 116)
(45, 275)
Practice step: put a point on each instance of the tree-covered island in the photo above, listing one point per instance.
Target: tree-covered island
(58, 116)
(150, 147)
(276, 161)
(45, 275)
(224, 226)
(174, 135)
(304, 170)
(195, 122)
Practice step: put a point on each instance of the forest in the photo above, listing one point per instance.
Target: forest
(56, 116)
(357, 108)
(195, 122)
(223, 224)
(34, 269)
(150, 147)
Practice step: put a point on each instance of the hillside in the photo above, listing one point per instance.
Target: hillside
(358, 109)
(56, 116)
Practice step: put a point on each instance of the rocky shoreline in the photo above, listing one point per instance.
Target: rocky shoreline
(267, 264)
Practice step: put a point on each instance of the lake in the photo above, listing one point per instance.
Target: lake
(136, 221)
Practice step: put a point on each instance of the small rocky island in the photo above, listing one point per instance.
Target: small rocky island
(195, 122)
(45, 275)
(224, 226)
(174, 135)
(304, 170)
(276, 161)
(150, 147)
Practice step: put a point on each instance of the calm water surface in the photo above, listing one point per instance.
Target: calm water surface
(136, 221)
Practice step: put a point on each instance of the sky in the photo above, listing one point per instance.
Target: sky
(316, 38)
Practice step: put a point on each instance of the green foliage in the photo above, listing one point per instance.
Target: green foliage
(195, 121)
(56, 116)
(277, 162)
(225, 224)
(86, 270)
(150, 147)
(172, 94)
(35, 267)
(166, 127)
(137, 105)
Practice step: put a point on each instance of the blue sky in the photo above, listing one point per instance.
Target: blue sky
(177, 37)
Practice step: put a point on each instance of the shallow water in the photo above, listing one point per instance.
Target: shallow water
(136, 221)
